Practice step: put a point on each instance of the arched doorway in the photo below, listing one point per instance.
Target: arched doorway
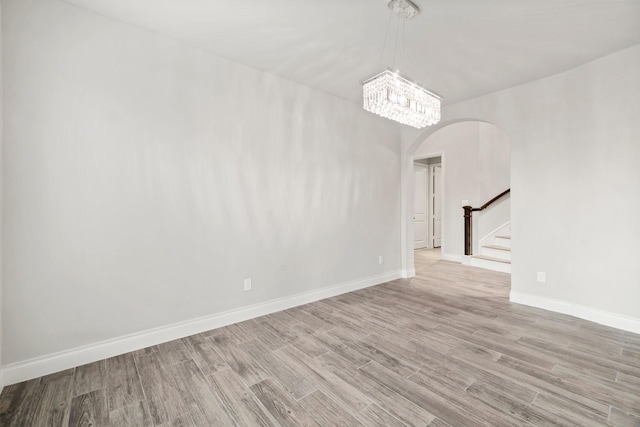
(475, 158)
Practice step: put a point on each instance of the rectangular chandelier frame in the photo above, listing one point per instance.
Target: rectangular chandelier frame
(395, 97)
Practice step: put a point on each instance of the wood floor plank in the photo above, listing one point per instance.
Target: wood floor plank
(344, 319)
(123, 383)
(310, 345)
(385, 357)
(206, 407)
(570, 412)
(57, 375)
(468, 350)
(375, 416)
(182, 421)
(243, 331)
(395, 404)
(438, 423)
(444, 375)
(272, 325)
(499, 344)
(399, 348)
(620, 418)
(242, 363)
(239, 401)
(340, 345)
(631, 380)
(462, 399)
(506, 404)
(322, 313)
(615, 393)
(629, 357)
(270, 336)
(604, 367)
(17, 400)
(326, 381)
(543, 381)
(326, 412)
(201, 351)
(283, 318)
(145, 350)
(284, 409)
(421, 396)
(602, 347)
(26, 405)
(430, 346)
(165, 399)
(56, 403)
(173, 352)
(90, 377)
(291, 380)
(527, 375)
(90, 409)
(308, 323)
(137, 414)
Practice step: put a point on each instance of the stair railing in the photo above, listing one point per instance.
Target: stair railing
(468, 211)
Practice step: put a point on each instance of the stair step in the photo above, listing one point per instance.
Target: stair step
(490, 258)
(496, 251)
(504, 240)
(498, 247)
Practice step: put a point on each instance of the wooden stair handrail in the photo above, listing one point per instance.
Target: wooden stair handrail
(468, 210)
(486, 205)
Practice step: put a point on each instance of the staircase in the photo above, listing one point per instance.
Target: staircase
(495, 248)
(495, 251)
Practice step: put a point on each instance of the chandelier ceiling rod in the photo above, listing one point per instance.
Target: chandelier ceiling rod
(395, 97)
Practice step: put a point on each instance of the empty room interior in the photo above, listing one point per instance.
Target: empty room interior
(320, 212)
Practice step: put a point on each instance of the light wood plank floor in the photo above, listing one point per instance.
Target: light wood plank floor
(443, 349)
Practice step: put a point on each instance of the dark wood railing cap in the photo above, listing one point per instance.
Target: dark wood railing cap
(486, 205)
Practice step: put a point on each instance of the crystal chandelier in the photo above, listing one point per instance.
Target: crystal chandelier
(395, 97)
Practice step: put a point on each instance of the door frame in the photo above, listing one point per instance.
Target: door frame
(427, 210)
(431, 233)
(439, 154)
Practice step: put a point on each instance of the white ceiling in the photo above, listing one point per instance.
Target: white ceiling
(459, 49)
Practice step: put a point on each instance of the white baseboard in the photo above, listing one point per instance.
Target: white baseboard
(490, 265)
(451, 257)
(1, 381)
(48, 364)
(408, 273)
(607, 318)
(466, 260)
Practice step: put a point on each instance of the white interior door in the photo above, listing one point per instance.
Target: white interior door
(420, 217)
(436, 205)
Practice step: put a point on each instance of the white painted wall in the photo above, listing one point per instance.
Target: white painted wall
(145, 180)
(575, 179)
(494, 153)
(476, 158)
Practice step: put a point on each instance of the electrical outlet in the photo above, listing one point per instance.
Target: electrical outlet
(542, 276)
(247, 284)
(380, 259)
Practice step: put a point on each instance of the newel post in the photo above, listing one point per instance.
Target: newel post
(467, 229)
